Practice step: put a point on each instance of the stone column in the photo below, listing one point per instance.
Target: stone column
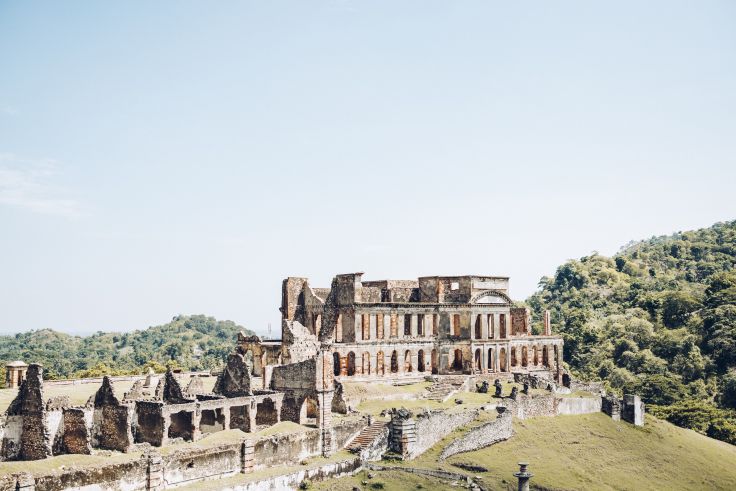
(484, 326)
(547, 324)
(226, 414)
(247, 456)
(484, 360)
(524, 475)
(496, 326)
(196, 420)
(154, 472)
(414, 325)
(373, 324)
(252, 410)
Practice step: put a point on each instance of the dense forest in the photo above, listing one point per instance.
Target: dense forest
(192, 342)
(658, 319)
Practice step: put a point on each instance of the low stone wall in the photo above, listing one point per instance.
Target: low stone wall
(528, 406)
(292, 480)
(483, 436)
(579, 405)
(434, 427)
(190, 465)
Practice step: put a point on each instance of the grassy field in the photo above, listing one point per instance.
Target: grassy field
(588, 452)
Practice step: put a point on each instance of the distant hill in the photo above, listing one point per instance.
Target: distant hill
(658, 318)
(195, 342)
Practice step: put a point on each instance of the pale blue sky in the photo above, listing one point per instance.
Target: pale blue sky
(159, 158)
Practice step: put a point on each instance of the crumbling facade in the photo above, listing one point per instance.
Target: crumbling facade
(434, 325)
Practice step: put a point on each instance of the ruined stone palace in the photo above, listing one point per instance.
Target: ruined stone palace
(434, 325)
(389, 330)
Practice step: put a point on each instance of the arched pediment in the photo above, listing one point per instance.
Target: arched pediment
(491, 297)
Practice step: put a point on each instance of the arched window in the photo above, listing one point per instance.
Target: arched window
(457, 362)
(407, 361)
(502, 359)
(434, 362)
(336, 363)
(478, 327)
(394, 362)
(524, 356)
(366, 363)
(513, 357)
(491, 368)
(351, 364)
(379, 363)
(420, 360)
(478, 360)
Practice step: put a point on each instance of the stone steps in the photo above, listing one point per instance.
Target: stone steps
(441, 390)
(366, 436)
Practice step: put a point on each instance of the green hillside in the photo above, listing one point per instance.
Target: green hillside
(590, 452)
(192, 342)
(659, 319)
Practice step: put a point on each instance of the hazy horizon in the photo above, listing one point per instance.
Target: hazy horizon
(183, 158)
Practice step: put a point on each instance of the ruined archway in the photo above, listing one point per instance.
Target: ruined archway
(490, 360)
(407, 361)
(457, 362)
(478, 327)
(513, 357)
(478, 360)
(535, 358)
(366, 363)
(420, 360)
(524, 356)
(394, 362)
(434, 362)
(502, 359)
(351, 364)
(545, 356)
(336, 364)
(380, 370)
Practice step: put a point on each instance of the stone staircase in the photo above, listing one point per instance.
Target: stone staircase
(443, 389)
(367, 436)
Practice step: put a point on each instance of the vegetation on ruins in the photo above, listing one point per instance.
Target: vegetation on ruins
(195, 342)
(658, 319)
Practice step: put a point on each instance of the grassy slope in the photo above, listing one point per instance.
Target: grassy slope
(582, 452)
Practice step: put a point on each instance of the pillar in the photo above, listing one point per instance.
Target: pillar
(414, 325)
(372, 324)
(484, 326)
(252, 410)
(523, 475)
(154, 472)
(196, 420)
(547, 324)
(247, 456)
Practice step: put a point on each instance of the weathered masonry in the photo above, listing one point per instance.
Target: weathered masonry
(433, 325)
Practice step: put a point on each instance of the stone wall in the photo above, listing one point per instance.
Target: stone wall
(434, 427)
(483, 436)
(579, 405)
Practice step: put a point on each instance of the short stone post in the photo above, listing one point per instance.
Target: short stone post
(523, 475)
(247, 456)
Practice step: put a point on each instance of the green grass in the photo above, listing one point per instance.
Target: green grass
(595, 452)
(388, 480)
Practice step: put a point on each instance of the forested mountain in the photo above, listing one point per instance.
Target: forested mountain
(192, 342)
(659, 319)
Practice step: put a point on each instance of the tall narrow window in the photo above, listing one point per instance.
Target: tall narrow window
(420, 324)
(491, 326)
(366, 326)
(478, 327)
(379, 326)
(456, 325)
(407, 324)
(394, 325)
(435, 324)
(502, 325)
